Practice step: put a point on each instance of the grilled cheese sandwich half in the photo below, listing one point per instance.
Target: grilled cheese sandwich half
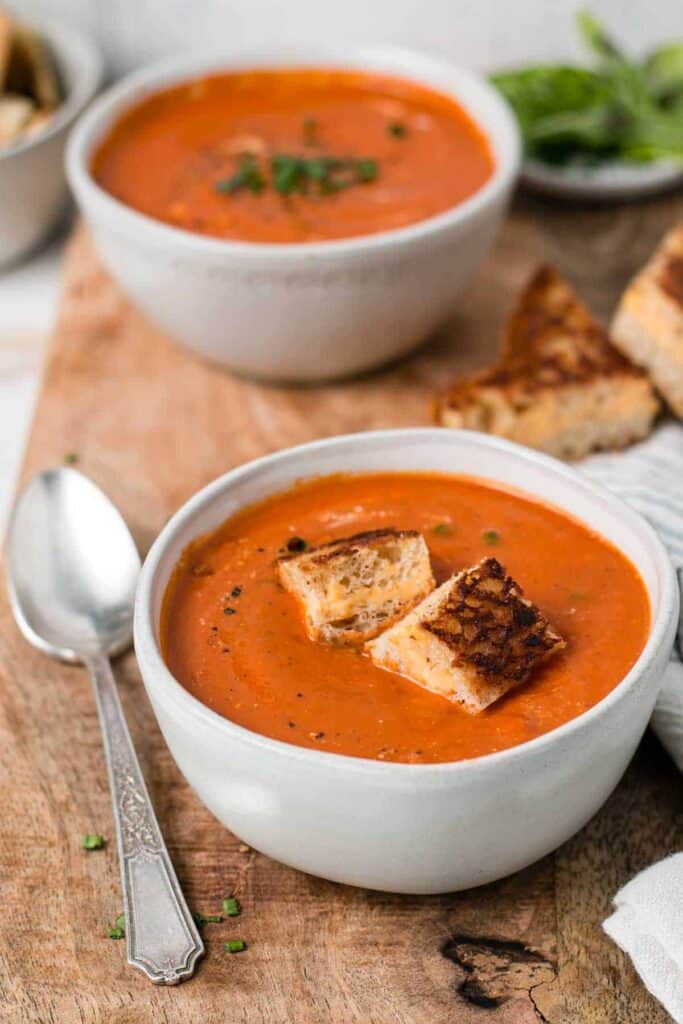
(560, 385)
(648, 323)
(471, 640)
(352, 588)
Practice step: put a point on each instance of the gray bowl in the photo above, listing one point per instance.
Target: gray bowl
(32, 179)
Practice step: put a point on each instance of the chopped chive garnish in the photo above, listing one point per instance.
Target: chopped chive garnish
(231, 907)
(397, 129)
(116, 933)
(235, 945)
(201, 919)
(491, 536)
(443, 529)
(121, 921)
(94, 842)
(366, 170)
(71, 458)
(248, 175)
(290, 173)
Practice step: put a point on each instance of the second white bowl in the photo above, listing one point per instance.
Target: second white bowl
(408, 827)
(299, 312)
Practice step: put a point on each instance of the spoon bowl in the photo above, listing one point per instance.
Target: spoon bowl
(73, 567)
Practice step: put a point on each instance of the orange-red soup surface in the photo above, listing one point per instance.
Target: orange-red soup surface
(236, 640)
(166, 156)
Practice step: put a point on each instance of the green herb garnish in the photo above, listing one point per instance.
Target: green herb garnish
(397, 129)
(92, 842)
(202, 919)
(366, 170)
(443, 529)
(121, 922)
(116, 933)
(71, 458)
(490, 536)
(247, 176)
(235, 945)
(620, 108)
(231, 907)
(289, 174)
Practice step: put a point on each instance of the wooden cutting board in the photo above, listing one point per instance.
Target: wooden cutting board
(151, 424)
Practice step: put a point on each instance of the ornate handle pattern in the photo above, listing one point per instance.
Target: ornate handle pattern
(161, 936)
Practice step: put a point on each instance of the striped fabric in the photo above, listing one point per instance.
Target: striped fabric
(649, 477)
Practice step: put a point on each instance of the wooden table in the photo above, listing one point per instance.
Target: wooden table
(151, 424)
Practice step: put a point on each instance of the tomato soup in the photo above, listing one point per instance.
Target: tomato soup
(293, 155)
(236, 640)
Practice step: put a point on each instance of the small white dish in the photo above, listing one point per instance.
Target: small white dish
(605, 182)
(310, 311)
(405, 827)
(32, 179)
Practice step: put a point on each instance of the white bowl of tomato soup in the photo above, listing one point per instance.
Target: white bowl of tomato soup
(297, 215)
(318, 758)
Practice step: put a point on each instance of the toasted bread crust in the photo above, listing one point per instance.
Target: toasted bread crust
(648, 323)
(470, 641)
(348, 545)
(488, 624)
(352, 588)
(558, 374)
(671, 278)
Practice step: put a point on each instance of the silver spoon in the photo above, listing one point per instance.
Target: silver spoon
(73, 569)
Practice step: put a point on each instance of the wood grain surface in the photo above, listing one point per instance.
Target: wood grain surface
(151, 424)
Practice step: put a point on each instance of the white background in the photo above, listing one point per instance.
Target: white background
(482, 33)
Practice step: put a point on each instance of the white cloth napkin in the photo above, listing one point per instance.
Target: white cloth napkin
(649, 477)
(648, 925)
(647, 922)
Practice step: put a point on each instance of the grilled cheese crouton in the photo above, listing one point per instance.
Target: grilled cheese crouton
(353, 588)
(559, 386)
(648, 323)
(471, 640)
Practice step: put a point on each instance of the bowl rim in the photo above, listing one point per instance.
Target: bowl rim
(153, 666)
(76, 48)
(501, 131)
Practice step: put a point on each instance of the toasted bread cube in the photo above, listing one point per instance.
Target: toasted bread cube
(353, 588)
(559, 385)
(648, 323)
(471, 640)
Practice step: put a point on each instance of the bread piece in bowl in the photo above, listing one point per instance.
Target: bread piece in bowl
(353, 588)
(473, 639)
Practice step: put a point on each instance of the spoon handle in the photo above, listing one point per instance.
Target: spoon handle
(161, 936)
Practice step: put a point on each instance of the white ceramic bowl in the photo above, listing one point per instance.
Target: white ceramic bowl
(309, 311)
(32, 180)
(402, 827)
